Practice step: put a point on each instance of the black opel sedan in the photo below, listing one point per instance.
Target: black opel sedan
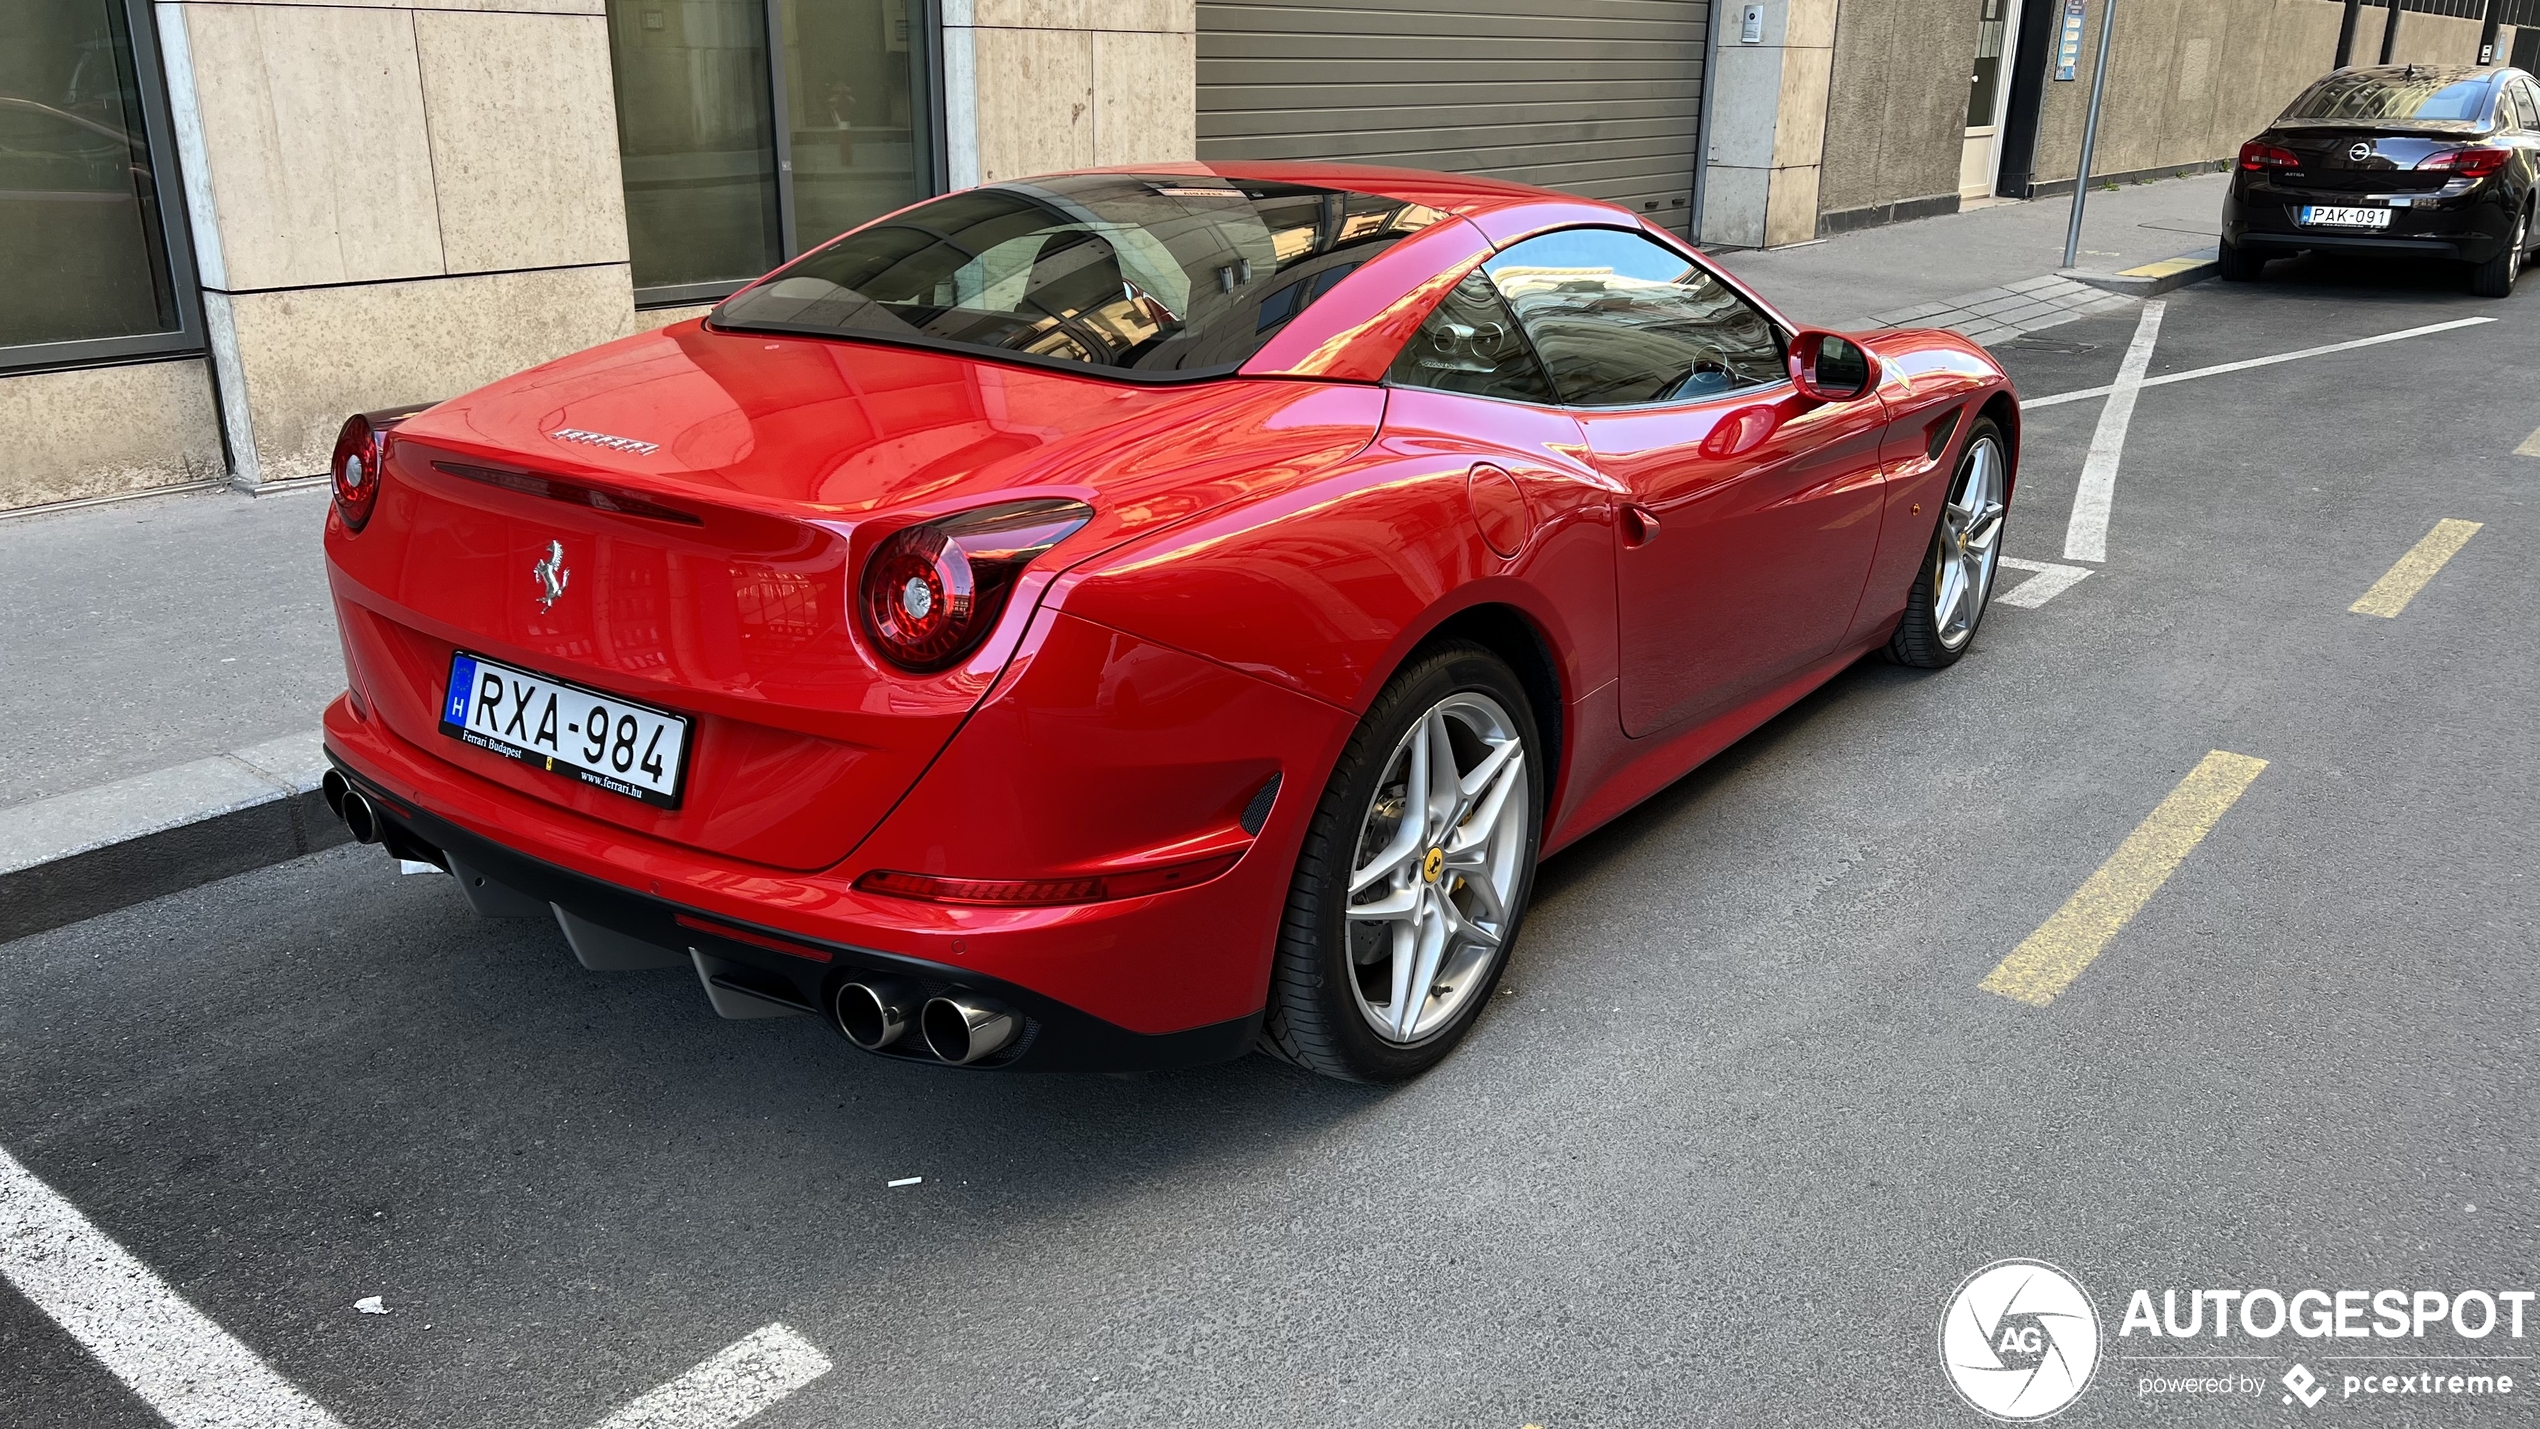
(2404, 161)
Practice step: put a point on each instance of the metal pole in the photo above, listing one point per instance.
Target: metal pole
(1702, 121)
(2487, 34)
(2090, 132)
(2390, 32)
(2346, 32)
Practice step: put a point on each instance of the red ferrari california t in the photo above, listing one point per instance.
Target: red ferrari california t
(1124, 619)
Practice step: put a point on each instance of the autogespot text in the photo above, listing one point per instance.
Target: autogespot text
(2328, 1314)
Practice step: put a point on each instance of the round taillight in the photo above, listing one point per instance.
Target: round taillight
(931, 592)
(920, 597)
(355, 469)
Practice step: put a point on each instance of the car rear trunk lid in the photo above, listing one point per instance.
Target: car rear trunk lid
(2343, 160)
(702, 500)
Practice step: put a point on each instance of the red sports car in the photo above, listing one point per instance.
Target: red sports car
(1128, 618)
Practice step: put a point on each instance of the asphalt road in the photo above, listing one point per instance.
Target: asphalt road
(1744, 1123)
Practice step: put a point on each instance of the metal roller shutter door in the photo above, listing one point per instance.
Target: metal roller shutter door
(1597, 97)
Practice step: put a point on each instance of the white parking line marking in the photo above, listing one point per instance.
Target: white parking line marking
(2530, 446)
(2059, 398)
(750, 1375)
(2050, 581)
(181, 1364)
(2086, 536)
(197, 1375)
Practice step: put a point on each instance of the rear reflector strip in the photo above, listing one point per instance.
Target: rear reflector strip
(580, 493)
(755, 940)
(1044, 892)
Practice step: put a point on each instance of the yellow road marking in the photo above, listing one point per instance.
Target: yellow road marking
(2391, 594)
(2049, 959)
(2530, 444)
(2166, 266)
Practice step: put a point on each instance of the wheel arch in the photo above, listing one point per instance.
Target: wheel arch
(1507, 631)
(2005, 413)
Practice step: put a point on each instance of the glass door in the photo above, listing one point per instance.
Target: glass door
(752, 130)
(851, 114)
(695, 147)
(1986, 95)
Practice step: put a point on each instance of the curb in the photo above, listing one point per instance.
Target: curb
(77, 855)
(2152, 279)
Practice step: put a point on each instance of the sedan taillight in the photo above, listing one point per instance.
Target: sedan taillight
(2255, 156)
(361, 450)
(932, 591)
(2470, 163)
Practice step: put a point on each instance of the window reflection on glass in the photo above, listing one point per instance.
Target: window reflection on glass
(1984, 87)
(1139, 273)
(1621, 321)
(1469, 343)
(82, 249)
(850, 113)
(2367, 96)
(695, 139)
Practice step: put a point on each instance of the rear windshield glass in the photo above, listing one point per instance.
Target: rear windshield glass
(2373, 97)
(1164, 275)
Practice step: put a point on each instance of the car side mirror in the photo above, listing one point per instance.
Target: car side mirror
(1829, 367)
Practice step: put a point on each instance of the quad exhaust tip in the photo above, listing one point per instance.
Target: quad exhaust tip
(962, 1029)
(873, 1015)
(350, 806)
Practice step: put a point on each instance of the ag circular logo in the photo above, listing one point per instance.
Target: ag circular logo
(2019, 1340)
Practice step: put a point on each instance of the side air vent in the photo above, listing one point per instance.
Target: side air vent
(1936, 436)
(1257, 812)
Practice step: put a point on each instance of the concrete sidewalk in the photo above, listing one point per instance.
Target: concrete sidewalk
(150, 633)
(1848, 280)
(169, 656)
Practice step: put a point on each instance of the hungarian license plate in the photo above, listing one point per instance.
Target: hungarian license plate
(2324, 216)
(605, 741)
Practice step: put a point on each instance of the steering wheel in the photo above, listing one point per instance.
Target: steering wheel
(1708, 372)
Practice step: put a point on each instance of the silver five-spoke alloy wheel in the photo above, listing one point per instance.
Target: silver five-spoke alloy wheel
(1440, 856)
(1963, 558)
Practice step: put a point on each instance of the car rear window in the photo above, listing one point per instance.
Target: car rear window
(2372, 98)
(1149, 275)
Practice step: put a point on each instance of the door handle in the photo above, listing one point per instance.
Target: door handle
(1639, 526)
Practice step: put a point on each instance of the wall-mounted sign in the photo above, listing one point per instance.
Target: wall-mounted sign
(1750, 29)
(2068, 44)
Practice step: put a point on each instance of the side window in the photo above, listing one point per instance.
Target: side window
(1470, 344)
(1620, 320)
(2526, 109)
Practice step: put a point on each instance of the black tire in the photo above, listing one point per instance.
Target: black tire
(1313, 1019)
(2495, 277)
(1917, 641)
(2239, 265)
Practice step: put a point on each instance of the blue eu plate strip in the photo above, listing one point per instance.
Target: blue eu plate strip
(462, 682)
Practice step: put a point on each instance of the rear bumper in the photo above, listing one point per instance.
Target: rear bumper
(2470, 228)
(1096, 753)
(744, 959)
(2471, 250)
